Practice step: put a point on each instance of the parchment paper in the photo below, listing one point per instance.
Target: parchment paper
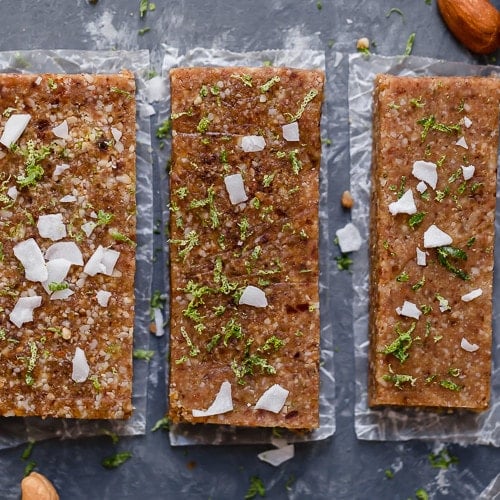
(188, 434)
(14, 431)
(404, 424)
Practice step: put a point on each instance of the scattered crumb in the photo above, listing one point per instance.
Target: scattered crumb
(363, 44)
(347, 200)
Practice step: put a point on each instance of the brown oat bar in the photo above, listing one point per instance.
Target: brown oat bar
(67, 244)
(432, 237)
(262, 232)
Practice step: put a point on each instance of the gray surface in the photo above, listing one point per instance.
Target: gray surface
(340, 467)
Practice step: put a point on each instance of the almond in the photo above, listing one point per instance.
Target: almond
(475, 23)
(35, 486)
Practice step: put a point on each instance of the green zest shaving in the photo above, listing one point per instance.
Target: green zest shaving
(203, 124)
(399, 379)
(256, 488)
(116, 460)
(448, 384)
(296, 163)
(446, 253)
(249, 363)
(409, 44)
(54, 287)
(404, 276)
(416, 219)
(307, 99)
(246, 79)
(187, 244)
(143, 354)
(429, 123)
(116, 90)
(193, 350)
(264, 88)
(232, 329)
(162, 423)
(164, 129)
(31, 362)
(33, 170)
(400, 346)
(442, 460)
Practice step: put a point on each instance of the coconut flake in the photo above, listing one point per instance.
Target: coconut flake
(462, 143)
(252, 143)
(119, 147)
(69, 198)
(109, 260)
(65, 250)
(62, 294)
(405, 204)
(291, 132)
(156, 89)
(349, 238)
(51, 226)
(421, 187)
(223, 402)
(29, 254)
(103, 297)
(467, 346)
(409, 309)
(14, 128)
(59, 169)
(23, 310)
(468, 171)
(12, 193)
(117, 134)
(146, 110)
(61, 130)
(273, 399)
(94, 265)
(158, 318)
(235, 188)
(253, 296)
(421, 257)
(277, 456)
(80, 366)
(426, 171)
(57, 270)
(103, 261)
(434, 237)
(467, 122)
(474, 294)
(88, 228)
(38, 80)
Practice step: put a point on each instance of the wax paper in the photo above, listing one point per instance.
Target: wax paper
(389, 423)
(14, 431)
(189, 434)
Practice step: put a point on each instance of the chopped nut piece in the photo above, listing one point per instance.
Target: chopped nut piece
(347, 199)
(36, 486)
(363, 44)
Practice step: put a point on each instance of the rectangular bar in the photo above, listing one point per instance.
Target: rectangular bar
(432, 236)
(267, 239)
(67, 233)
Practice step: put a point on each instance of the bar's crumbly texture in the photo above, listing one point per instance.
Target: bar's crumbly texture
(74, 161)
(269, 241)
(429, 346)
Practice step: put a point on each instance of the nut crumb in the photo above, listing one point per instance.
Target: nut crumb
(35, 486)
(347, 200)
(363, 44)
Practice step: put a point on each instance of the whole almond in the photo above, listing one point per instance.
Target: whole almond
(475, 23)
(35, 486)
